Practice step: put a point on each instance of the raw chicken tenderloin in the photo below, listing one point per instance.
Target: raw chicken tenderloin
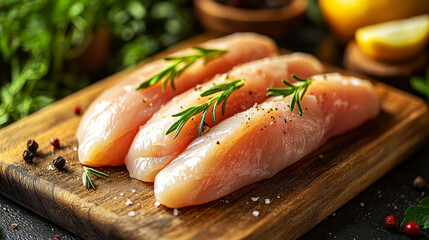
(257, 143)
(110, 124)
(152, 150)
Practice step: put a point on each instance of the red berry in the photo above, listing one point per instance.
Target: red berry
(57, 236)
(55, 142)
(77, 110)
(391, 222)
(412, 229)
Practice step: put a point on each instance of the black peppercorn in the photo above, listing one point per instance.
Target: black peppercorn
(32, 146)
(59, 162)
(28, 156)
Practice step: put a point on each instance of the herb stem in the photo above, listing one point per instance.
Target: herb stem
(174, 70)
(294, 90)
(86, 179)
(226, 88)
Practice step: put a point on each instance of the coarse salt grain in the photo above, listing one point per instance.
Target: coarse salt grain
(115, 198)
(75, 149)
(255, 213)
(121, 194)
(267, 201)
(255, 199)
(175, 212)
(131, 213)
(50, 168)
(133, 190)
(157, 204)
(129, 202)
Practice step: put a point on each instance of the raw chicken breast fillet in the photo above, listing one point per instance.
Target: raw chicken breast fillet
(152, 150)
(110, 124)
(257, 143)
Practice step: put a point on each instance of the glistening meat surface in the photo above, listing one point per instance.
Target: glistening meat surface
(152, 149)
(259, 142)
(110, 124)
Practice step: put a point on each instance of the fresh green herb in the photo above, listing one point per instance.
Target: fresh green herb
(181, 64)
(418, 214)
(86, 179)
(43, 45)
(421, 84)
(225, 88)
(295, 90)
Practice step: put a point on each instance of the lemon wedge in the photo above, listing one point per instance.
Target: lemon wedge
(396, 40)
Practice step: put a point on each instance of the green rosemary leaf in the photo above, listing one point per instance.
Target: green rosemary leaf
(86, 179)
(201, 125)
(170, 73)
(226, 88)
(98, 173)
(297, 92)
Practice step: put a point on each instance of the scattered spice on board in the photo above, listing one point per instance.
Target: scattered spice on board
(77, 110)
(55, 142)
(59, 162)
(28, 156)
(131, 213)
(175, 212)
(32, 146)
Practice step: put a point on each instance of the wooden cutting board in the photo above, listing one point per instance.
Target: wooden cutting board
(300, 196)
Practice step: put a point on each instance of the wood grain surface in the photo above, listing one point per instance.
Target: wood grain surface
(301, 195)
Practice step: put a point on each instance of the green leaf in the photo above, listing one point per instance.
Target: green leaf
(418, 214)
(425, 201)
(227, 88)
(419, 85)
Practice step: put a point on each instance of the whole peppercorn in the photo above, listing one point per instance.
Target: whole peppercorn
(59, 162)
(77, 110)
(55, 142)
(28, 156)
(412, 229)
(391, 222)
(32, 146)
(419, 182)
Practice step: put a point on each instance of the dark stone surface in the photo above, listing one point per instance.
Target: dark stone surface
(30, 225)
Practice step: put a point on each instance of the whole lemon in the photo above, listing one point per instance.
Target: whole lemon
(345, 16)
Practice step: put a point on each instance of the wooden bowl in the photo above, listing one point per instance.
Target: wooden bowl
(274, 22)
(355, 60)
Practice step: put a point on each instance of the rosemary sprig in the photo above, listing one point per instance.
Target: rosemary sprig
(86, 179)
(181, 63)
(225, 88)
(295, 90)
